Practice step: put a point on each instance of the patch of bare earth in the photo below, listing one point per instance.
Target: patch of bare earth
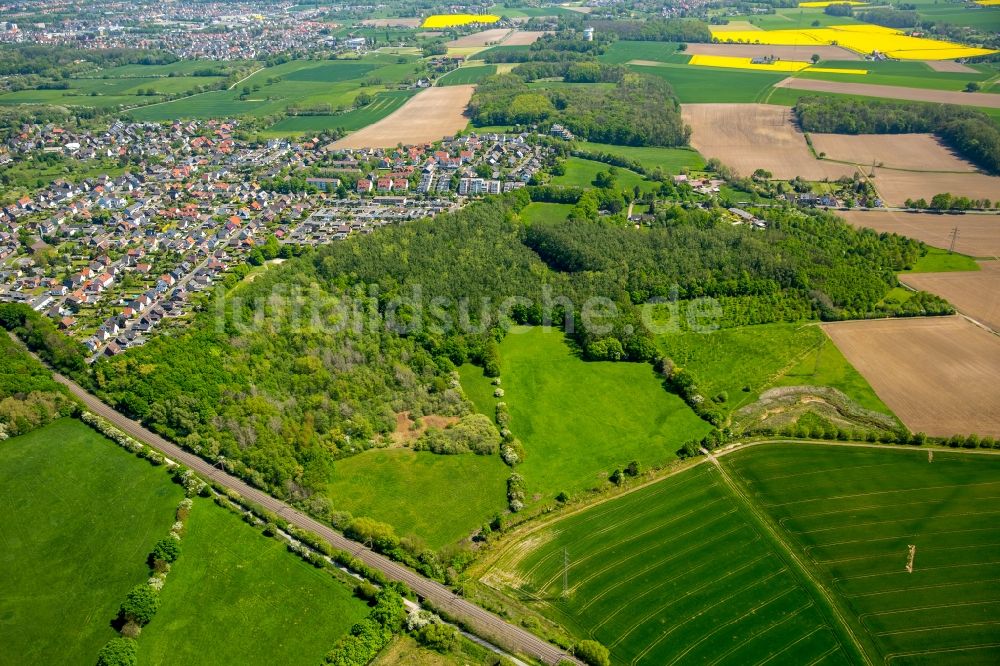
(978, 235)
(747, 137)
(523, 37)
(939, 375)
(988, 100)
(921, 152)
(428, 116)
(799, 53)
(392, 22)
(950, 66)
(973, 293)
(483, 38)
(407, 430)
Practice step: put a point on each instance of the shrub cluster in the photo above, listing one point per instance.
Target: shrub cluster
(371, 634)
(121, 439)
(515, 492)
(473, 433)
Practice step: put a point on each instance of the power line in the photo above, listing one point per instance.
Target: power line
(954, 237)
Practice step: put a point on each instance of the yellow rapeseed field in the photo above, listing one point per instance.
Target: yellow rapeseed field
(452, 20)
(862, 38)
(734, 62)
(988, 3)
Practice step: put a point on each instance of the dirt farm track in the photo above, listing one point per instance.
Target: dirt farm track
(937, 374)
(988, 100)
(428, 116)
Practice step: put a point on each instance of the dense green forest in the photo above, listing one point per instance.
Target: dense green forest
(312, 360)
(971, 133)
(57, 61)
(638, 111)
(29, 397)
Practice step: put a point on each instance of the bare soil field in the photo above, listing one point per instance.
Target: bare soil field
(390, 22)
(939, 374)
(484, 38)
(747, 137)
(427, 116)
(921, 152)
(978, 235)
(800, 53)
(950, 66)
(898, 186)
(973, 293)
(523, 37)
(987, 100)
(408, 430)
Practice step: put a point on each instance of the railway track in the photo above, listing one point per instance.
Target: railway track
(481, 622)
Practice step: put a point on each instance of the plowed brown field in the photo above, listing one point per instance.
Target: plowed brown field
(427, 116)
(974, 293)
(939, 375)
(978, 235)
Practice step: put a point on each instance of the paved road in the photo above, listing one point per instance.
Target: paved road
(484, 623)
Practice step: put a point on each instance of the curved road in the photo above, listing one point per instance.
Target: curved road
(482, 622)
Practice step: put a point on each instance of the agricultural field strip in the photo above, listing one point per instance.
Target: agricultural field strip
(715, 563)
(938, 626)
(597, 515)
(765, 523)
(635, 536)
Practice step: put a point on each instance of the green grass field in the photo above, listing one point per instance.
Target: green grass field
(852, 512)
(383, 104)
(78, 515)
(304, 83)
(622, 52)
(794, 17)
(238, 597)
(467, 75)
(437, 498)
(694, 84)
(671, 160)
(581, 173)
(673, 573)
(545, 212)
(938, 260)
(580, 420)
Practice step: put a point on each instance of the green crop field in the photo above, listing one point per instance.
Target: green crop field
(670, 160)
(581, 173)
(413, 491)
(694, 84)
(78, 515)
(383, 104)
(673, 573)
(481, 55)
(853, 512)
(580, 420)
(467, 75)
(238, 597)
(893, 73)
(622, 52)
(794, 17)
